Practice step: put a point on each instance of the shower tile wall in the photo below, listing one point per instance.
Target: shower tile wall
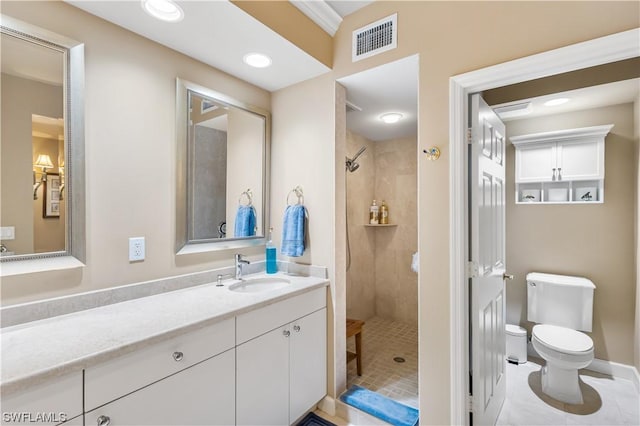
(380, 281)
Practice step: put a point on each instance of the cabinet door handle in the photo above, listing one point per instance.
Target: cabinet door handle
(178, 356)
(553, 176)
(286, 333)
(559, 173)
(104, 421)
(296, 328)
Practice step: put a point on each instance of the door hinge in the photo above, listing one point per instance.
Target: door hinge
(473, 270)
(469, 135)
(470, 403)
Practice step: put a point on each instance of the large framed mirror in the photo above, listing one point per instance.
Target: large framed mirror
(222, 170)
(42, 166)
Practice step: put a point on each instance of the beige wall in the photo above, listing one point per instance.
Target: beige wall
(636, 114)
(20, 99)
(396, 183)
(380, 281)
(130, 153)
(516, 29)
(361, 276)
(595, 241)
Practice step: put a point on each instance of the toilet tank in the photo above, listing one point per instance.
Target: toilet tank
(560, 300)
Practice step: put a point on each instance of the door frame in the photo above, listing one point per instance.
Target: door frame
(612, 48)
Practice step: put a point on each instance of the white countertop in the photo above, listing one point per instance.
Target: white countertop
(35, 351)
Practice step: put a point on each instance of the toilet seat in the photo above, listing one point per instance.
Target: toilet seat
(562, 339)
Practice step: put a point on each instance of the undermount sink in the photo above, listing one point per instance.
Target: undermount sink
(259, 284)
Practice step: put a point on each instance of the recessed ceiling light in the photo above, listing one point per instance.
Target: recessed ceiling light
(165, 10)
(391, 117)
(556, 102)
(257, 60)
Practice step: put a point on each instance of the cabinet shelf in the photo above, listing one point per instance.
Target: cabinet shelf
(561, 167)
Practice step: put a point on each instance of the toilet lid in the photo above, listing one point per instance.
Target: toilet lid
(562, 339)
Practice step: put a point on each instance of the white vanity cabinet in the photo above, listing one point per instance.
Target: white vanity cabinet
(56, 401)
(560, 166)
(281, 360)
(185, 380)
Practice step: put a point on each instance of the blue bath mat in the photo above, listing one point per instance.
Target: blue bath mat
(380, 406)
(313, 419)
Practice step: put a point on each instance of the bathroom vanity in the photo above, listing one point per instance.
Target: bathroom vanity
(198, 355)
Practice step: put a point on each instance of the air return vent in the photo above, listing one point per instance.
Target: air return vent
(375, 38)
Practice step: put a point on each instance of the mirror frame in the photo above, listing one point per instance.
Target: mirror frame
(183, 244)
(73, 90)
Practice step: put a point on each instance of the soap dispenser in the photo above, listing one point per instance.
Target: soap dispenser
(270, 253)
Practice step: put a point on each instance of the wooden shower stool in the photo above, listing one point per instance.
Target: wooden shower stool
(354, 328)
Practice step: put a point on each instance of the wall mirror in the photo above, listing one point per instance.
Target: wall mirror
(223, 152)
(42, 165)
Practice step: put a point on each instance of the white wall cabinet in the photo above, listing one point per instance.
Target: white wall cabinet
(561, 166)
(203, 394)
(281, 373)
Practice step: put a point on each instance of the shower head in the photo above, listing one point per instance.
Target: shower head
(351, 164)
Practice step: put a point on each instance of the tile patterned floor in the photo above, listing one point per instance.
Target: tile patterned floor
(382, 340)
(608, 400)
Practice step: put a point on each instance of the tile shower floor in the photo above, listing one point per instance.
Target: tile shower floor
(382, 341)
(608, 400)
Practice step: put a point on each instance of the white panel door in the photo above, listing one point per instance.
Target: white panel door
(581, 160)
(308, 369)
(200, 395)
(263, 379)
(535, 163)
(487, 254)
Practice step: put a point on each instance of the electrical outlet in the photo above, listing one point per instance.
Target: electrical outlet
(136, 249)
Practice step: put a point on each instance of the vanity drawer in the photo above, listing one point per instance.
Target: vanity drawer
(260, 321)
(120, 376)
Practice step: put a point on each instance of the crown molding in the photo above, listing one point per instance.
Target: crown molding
(320, 13)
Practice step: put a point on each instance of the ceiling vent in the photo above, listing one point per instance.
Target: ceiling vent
(375, 38)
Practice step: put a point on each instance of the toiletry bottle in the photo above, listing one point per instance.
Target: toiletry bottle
(374, 214)
(384, 213)
(270, 252)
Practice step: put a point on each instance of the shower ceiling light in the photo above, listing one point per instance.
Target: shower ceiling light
(257, 60)
(556, 102)
(165, 10)
(391, 117)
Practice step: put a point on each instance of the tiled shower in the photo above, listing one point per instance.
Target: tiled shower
(382, 289)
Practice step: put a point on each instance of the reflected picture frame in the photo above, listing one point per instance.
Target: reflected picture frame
(51, 202)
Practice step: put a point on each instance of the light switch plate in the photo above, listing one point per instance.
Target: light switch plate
(7, 233)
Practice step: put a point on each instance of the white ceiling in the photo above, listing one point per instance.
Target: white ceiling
(619, 92)
(219, 34)
(347, 7)
(392, 87)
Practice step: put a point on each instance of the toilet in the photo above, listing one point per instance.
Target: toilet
(561, 305)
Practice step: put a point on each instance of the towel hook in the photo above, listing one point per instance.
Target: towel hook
(249, 196)
(298, 193)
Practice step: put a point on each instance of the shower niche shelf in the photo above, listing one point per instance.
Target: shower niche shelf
(380, 225)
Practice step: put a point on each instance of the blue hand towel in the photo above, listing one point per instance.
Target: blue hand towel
(293, 231)
(245, 225)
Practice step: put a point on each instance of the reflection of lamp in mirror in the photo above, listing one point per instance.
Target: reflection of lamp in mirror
(61, 171)
(43, 161)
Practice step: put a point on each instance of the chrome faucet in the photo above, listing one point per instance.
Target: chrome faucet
(238, 265)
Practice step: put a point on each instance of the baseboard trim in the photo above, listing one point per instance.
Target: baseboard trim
(328, 405)
(610, 368)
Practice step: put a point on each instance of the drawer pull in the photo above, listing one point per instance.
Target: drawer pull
(296, 328)
(104, 421)
(286, 333)
(178, 356)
